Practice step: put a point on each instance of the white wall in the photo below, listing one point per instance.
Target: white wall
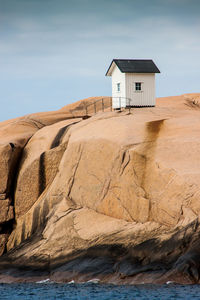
(146, 97)
(118, 97)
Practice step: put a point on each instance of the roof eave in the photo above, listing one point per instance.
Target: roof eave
(110, 69)
(142, 72)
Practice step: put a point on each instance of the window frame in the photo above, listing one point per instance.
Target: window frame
(138, 86)
(118, 87)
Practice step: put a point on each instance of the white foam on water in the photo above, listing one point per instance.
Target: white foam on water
(95, 280)
(43, 281)
(71, 282)
(169, 282)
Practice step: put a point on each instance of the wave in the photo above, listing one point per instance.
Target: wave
(71, 282)
(95, 280)
(43, 281)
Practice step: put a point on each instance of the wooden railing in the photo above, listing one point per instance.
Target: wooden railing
(106, 104)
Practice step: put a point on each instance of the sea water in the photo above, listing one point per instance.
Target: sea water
(56, 291)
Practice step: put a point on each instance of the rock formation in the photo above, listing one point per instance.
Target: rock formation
(114, 196)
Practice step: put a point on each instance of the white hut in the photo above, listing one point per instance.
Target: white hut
(133, 82)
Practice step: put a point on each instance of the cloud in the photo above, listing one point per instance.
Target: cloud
(71, 43)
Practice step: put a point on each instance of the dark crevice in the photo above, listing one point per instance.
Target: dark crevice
(23, 232)
(58, 138)
(13, 173)
(6, 227)
(12, 145)
(123, 156)
(42, 174)
(35, 220)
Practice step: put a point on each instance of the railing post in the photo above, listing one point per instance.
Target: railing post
(110, 103)
(102, 103)
(95, 109)
(120, 103)
(129, 100)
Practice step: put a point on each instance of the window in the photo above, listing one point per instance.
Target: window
(138, 86)
(118, 87)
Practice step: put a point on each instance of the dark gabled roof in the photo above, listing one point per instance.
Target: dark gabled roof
(135, 66)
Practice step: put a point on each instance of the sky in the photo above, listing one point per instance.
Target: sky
(55, 52)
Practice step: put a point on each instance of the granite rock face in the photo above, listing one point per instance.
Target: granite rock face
(39, 164)
(114, 196)
(14, 135)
